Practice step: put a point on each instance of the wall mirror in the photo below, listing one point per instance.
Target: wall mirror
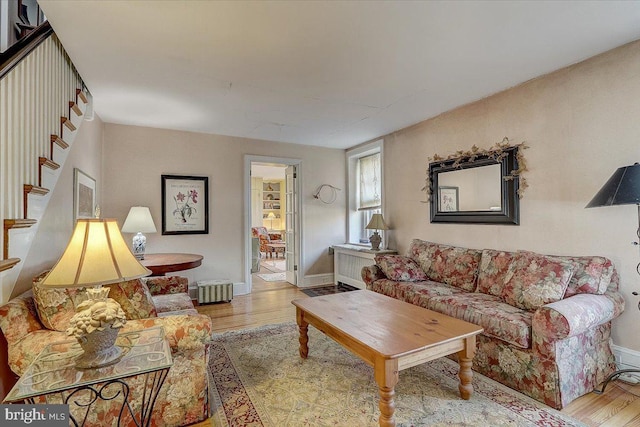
(475, 191)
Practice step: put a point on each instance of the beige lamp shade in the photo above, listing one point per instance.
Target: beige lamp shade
(271, 215)
(95, 255)
(377, 223)
(139, 220)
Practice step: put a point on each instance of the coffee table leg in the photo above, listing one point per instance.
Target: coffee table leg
(465, 359)
(303, 327)
(386, 375)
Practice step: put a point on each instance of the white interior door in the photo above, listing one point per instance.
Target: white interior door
(291, 225)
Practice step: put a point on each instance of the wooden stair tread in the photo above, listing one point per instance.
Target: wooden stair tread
(55, 139)
(43, 161)
(66, 122)
(6, 264)
(34, 189)
(80, 94)
(74, 107)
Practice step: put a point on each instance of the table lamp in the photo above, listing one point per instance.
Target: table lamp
(96, 255)
(271, 216)
(623, 188)
(139, 221)
(376, 223)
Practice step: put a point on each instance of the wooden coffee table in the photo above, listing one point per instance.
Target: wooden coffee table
(390, 335)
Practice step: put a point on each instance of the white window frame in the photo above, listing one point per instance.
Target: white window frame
(357, 220)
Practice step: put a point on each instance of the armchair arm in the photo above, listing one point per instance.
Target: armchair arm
(575, 315)
(370, 274)
(162, 285)
(185, 332)
(19, 317)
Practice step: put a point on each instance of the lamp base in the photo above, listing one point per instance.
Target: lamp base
(375, 240)
(139, 245)
(99, 349)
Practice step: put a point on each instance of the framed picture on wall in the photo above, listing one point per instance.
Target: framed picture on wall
(448, 199)
(185, 204)
(84, 195)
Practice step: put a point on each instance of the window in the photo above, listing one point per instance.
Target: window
(365, 190)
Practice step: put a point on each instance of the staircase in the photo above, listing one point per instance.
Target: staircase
(42, 104)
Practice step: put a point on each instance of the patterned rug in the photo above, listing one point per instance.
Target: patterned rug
(260, 380)
(328, 290)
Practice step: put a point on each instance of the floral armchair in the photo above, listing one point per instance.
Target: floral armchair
(39, 317)
(265, 237)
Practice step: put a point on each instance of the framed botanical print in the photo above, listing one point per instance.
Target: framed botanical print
(448, 199)
(185, 204)
(84, 195)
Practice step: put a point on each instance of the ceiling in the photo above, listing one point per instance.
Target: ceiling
(326, 73)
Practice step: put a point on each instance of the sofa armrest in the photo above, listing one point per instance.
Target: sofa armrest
(370, 274)
(575, 315)
(185, 332)
(162, 285)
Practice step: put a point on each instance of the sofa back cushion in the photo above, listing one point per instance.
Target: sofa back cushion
(495, 270)
(400, 268)
(447, 264)
(536, 280)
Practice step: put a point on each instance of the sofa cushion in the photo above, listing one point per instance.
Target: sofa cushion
(134, 298)
(447, 264)
(166, 284)
(592, 275)
(537, 280)
(414, 292)
(400, 268)
(494, 271)
(499, 319)
(172, 302)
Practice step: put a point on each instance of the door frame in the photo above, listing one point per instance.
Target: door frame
(298, 258)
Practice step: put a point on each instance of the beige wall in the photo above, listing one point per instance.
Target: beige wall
(581, 124)
(55, 227)
(136, 157)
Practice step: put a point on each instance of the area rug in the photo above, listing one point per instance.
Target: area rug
(261, 381)
(328, 290)
(273, 277)
(274, 265)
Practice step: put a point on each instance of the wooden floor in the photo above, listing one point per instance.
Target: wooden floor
(270, 302)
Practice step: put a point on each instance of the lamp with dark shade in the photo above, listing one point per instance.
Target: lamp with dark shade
(623, 188)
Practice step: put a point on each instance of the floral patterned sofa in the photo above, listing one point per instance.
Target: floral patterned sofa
(546, 319)
(40, 316)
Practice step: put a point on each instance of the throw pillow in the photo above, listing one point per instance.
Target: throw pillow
(56, 306)
(591, 276)
(134, 298)
(537, 280)
(400, 268)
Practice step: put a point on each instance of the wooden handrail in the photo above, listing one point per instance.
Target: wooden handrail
(15, 53)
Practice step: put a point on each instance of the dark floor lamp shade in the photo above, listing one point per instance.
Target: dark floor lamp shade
(623, 188)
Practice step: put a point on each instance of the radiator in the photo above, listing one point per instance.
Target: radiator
(348, 263)
(214, 291)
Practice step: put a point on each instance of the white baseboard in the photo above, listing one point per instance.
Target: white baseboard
(316, 280)
(626, 358)
(240, 288)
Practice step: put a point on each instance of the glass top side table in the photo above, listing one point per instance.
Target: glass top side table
(146, 352)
